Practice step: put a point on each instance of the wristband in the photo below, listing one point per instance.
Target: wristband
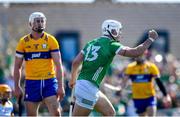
(151, 39)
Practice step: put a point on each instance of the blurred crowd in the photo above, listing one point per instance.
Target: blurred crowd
(169, 67)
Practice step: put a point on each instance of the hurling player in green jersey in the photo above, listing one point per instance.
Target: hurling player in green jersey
(95, 59)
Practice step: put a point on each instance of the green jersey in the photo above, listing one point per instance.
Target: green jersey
(98, 55)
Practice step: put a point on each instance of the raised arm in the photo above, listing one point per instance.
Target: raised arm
(139, 50)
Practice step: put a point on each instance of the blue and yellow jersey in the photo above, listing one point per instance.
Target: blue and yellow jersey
(142, 77)
(37, 54)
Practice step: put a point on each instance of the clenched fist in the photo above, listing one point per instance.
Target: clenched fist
(152, 34)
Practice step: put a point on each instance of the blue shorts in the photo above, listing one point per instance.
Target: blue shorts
(142, 104)
(37, 90)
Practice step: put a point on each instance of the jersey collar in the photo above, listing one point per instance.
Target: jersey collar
(31, 36)
(105, 37)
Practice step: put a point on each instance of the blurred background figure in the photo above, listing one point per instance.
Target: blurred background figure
(6, 106)
(142, 74)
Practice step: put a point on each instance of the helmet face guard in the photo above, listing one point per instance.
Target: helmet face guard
(112, 28)
(37, 22)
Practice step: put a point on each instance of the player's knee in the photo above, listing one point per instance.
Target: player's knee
(55, 109)
(110, 112)
(57, 112)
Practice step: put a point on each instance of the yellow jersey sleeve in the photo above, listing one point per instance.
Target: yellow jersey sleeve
(155, 70)
(20, 48)
(127, 71)
(129, 68)
(54, 46)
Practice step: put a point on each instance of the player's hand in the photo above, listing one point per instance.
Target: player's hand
(167, 101)
(18, 92)
(71, 83)
(60, 93)
(153, 34)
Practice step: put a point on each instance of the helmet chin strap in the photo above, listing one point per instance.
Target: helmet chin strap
(111, 36)
(38, 30)
(3, 101)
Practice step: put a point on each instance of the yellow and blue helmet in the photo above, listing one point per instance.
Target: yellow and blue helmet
(5, 88)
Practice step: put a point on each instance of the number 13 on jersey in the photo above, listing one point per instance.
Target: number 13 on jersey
(92, 53)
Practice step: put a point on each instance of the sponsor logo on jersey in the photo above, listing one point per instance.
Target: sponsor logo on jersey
(37, 55)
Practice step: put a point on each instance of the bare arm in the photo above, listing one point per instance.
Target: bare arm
(17, 71)
(139, 50)
(124, 83)
(74, 69)
(17, 76)
(56, 56)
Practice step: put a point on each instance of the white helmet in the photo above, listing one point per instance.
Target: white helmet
(36, 15)
(109, 25)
